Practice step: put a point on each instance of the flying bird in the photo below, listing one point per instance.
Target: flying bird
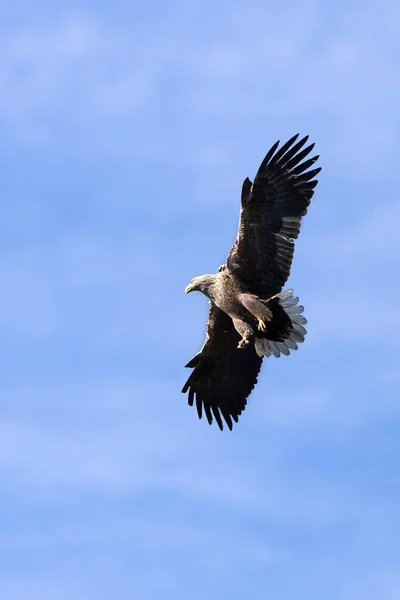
(250, 316)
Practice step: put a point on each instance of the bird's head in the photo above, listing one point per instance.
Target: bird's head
(200, 284)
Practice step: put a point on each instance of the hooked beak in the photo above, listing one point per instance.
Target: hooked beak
(188, 288)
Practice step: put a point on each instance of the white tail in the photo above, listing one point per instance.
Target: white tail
(293, 309)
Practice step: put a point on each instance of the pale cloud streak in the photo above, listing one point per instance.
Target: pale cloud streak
(83, 77)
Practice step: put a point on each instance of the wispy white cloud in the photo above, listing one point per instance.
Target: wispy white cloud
(134, 437)
(344, 79)
(66, 77)
(83, 76)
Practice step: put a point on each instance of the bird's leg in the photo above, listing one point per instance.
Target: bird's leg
(257, 309)
(245, 331)
(243, 343)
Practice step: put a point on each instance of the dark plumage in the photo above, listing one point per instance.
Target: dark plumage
(250, 317)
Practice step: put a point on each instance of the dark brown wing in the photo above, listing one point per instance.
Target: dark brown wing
(222, 376)
(272, 208)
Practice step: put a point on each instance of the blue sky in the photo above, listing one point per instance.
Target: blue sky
(126, 133)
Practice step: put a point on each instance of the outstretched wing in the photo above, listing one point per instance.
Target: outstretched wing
(272, 208)
(222, 376)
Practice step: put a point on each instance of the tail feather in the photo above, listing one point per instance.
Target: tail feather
(290, 304)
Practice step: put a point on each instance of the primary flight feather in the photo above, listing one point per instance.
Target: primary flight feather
(250, 316)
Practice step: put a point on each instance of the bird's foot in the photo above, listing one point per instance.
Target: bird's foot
(243, 343)
(262, 326)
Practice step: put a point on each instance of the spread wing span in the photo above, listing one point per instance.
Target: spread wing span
(270, 218)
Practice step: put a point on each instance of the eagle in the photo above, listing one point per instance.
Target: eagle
(250, 315)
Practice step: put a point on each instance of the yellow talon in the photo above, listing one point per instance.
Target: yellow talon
(262, 325)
